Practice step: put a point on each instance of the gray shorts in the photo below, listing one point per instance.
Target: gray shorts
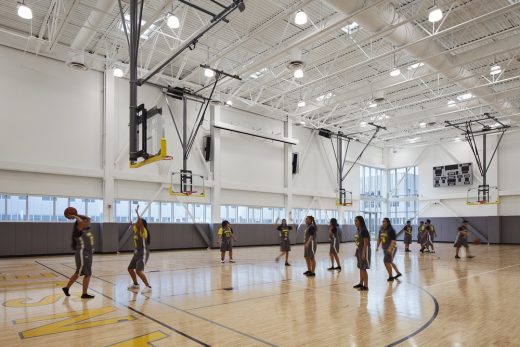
(363, 264)
(83, 262)
(139, 260)
(310, 251)
(407, 238)
(334, 245)
(461, 243)
(285, 245)
(225, 245)
(389, 257)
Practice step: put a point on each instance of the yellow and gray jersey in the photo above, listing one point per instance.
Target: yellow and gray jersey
(226, 233)
(84, 240)
(140, 238)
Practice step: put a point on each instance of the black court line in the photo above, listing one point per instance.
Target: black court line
(424, 326)
(184, 311)
(136, 311)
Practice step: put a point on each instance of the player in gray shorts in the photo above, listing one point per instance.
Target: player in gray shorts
(285, 242)
(362, 241)
(310, 246)
(83, 245)
(225, 237)
(462, 240)
(141, 253)
(334, 238)
(387, 239)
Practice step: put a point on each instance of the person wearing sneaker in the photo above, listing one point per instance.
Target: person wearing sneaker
(83, 245)
(387, 239)
(408, 230)
(363, 254)
(310, 246)
(285, 242)
(334, 244)
(141, 254)
(421, 236)
(431, 235)
(225, 235)
(462, 240)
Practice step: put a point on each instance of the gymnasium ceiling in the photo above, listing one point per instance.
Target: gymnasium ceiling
(348, 52)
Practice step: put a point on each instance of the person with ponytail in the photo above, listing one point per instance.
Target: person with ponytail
(83, 246)
(310, 246)
(334, 244)
(363, 254)
(141, 254)
(387, 239)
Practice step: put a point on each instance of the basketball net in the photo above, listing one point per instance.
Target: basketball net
(163, 167)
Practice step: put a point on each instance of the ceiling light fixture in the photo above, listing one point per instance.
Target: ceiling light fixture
(372, 104)
(363, 124)
(495, 70)
(298, 73)
(451, 103)
(422, 125)
(118, 72)
(24, 11)
(301, 103)
(173, 21)
(209, 73)
(457, 139)
(229, 103)
(464, 97)
(435, 14)
(395, 72)
(300, 18)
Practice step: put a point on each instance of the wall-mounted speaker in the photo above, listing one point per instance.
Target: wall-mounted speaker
(295, 163)
(207, 147)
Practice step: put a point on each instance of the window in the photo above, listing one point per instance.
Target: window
(41, 208)
(179, 213)
(155, 212)
(403, 186)
(122, 211)
(166, 212)
(61, 205)
(16, 207)
(242, 214)
(208, 213)
(2, 207)
(349, 217)
(95, 209)
(199, 213)
(267, 215)
(255, 215)
(79, 204)
(371, 181)
(232, 214)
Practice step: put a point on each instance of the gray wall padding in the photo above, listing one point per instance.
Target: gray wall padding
(35, 238)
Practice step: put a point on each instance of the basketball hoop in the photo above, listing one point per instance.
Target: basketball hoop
(186, 184)
(483, 195)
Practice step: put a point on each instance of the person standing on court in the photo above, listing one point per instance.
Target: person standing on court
(431, 235)
(387, 239)
(408, 229)
(285, 242)
(363, 253)
(83, 245)
(310, 246)
(141, 254)
(462, 240)
(334, 244)
(225, 238)
(421, 235)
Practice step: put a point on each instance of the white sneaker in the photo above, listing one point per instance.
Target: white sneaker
(133, 287)
(231, 261)
(222, 261)
(146, 290)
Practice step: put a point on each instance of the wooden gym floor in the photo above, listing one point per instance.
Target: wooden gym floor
(440, 301)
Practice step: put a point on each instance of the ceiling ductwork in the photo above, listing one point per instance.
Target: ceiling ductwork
(87, 33)
(380, 17)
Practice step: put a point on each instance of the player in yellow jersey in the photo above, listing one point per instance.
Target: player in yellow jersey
(141, 254)
(225, 238)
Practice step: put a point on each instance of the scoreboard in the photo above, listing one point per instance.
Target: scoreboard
(453, 175)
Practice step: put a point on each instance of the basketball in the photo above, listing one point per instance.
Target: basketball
(70, 211)
(476, 241)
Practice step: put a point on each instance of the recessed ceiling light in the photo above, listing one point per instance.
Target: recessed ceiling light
(435, 14)
(300, 18)
(301, 103)
(395, 72)
(422, 125)
(301, 122)
(372, 104)
(363, 124)
(173, 21)
(24, 11)
(298, 73)
(451, 103)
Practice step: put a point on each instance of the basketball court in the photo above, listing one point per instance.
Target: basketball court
(248, 173)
